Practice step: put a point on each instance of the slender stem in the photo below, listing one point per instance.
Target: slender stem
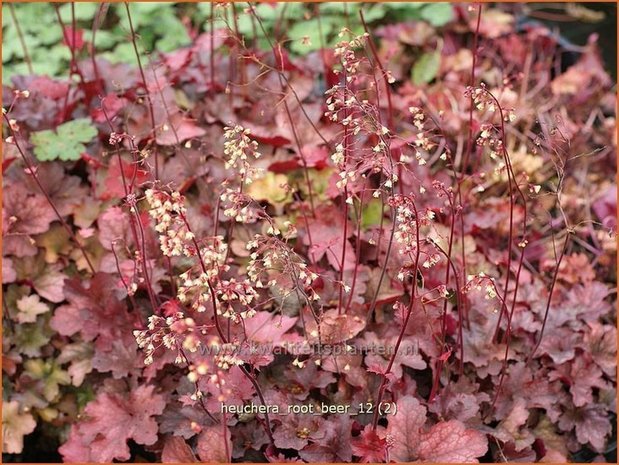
(20, 36)
(467, 154)
(548, 301)
(134, 215)
(296, 136)
(286, 80)
(148, 97)
(357, 252)
(409, 312)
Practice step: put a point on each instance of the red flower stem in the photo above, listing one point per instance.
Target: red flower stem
(296, 136)
(469, 143)
(148, 96)
(343, 256)
(548, 301)
(510, 174)
(392, 128)
(447, 276)
(459, 299)
(33, 173)
(345, 199)
(129, 293)
(72, 63)
(390, 113)
(247, 374)
(469, 148)
(134, 216)
(283, 76)
(409, 312)
(383, 72)
(357, 253)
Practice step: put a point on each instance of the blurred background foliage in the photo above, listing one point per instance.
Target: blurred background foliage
(163, 27)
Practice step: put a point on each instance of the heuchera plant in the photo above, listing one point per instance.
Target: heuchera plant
(399, 248)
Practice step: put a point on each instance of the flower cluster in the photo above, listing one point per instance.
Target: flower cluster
(230, 292)
(345, 52)
(172, 333)
(406, 218)
(483, 100)
(238, 206)
(197, 286)
(273, 262)
(168, 211)
(361, 120)
(481, 281)
(238, 150)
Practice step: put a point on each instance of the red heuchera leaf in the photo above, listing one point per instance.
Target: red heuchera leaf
(112, 104)
(8, 271)
(50, 88)
(267, 328)
(238, 390)
(587, 301)
(605, 207)
(66, 192)
(23, 214)
(246, 437)
(369, 446)
(177, 419)
(296, 431)
(114, 187)
(178, 129)
(94, 310)
(591, 423)
(326, 231)
(332, 447)
(110, 421)
(114, 225)
(119, 357)
(211, 445)
(334, 328)
(601, 342)
(176, 450)
(512, 428)
(50, 283)
(299, 382)
(582, 376)
(448, 441)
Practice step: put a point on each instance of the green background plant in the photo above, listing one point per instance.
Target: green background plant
(160, 27)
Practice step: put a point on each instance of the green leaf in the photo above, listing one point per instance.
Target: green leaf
(83, 11)
(403, 5)
(370, 13)
(371, 214)
(66, 143)
(426, 67)
(437, 14)
(310, 30)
